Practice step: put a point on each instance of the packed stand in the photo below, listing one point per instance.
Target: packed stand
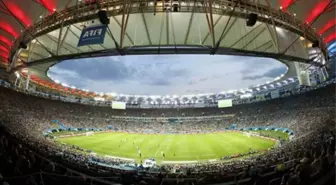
(305, 159)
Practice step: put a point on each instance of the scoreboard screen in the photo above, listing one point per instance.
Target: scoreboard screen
(225, 103)
(118, 105)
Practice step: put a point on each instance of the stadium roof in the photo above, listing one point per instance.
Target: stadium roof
(51, 29)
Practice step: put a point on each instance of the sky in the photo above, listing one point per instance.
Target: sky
(166, 74)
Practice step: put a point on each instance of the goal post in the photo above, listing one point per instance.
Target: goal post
(247, 134)
(89, 133)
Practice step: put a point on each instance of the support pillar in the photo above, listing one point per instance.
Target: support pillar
(27, 81)
(16, 81)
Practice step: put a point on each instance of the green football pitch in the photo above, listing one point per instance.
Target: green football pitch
(176, 147)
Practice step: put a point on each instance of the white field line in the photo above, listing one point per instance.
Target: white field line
(178, 162)
(123, 158)
(188, 156)
(157, 150)
(161, 145)
(208, 155)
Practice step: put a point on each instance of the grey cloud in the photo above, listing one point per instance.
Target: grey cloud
(255, 64)
(193, 82)
(252, 77)
(165, 74)
(160, 82)
(97, 69)
(273, 73)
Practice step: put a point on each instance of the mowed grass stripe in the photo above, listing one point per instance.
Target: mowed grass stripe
(185, 147)
(222, 145)
(202, 143)
(229, 142)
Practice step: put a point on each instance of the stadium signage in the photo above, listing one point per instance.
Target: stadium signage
(92, 35)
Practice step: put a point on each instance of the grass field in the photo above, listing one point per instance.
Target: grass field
(177, 147)
(274, 134)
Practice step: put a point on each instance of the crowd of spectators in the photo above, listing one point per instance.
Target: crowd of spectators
(307, 158)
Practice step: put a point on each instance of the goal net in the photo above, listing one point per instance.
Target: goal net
(89, 133)
(247, 134)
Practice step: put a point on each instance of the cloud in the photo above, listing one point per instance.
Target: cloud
(97, 68)
(272, 73)
(160, 82)
(166, 74)
(253, 64)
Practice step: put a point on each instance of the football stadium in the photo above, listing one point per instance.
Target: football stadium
(163, 92)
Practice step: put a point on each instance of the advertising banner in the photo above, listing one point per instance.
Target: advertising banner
(224, 103)
(118, 105)
(92, 35)
(260, 97)
(275, 94)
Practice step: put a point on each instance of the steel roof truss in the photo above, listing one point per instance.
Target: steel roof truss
(246, 35)
(208, 8)
(255, 37)
(63, 39)
(190, 23)
(223, 32)
(127, 35)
